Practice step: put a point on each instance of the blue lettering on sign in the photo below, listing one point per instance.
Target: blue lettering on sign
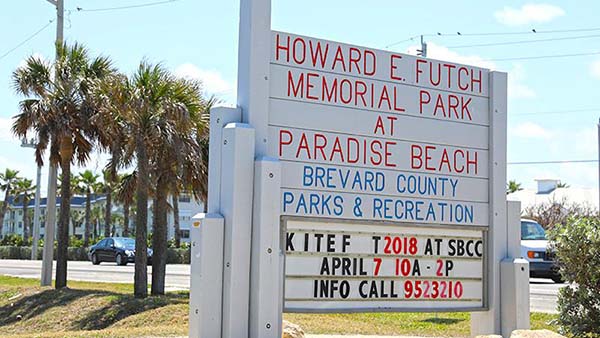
(342, 178)
(417, 210)
(318, 204)
(426, 185)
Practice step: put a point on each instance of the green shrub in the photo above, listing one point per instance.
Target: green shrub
(577, 246)
(174, 256)
(178, 256)
(75, 242)
(14, 240)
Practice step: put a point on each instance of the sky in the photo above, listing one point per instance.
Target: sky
(553, 106)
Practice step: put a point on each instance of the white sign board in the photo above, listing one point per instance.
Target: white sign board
(350, 266)
(367, 137)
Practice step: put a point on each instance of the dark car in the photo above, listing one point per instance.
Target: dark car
(115, 249)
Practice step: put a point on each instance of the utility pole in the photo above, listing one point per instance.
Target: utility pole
(36, 213)
(423, 51)
(48, 258)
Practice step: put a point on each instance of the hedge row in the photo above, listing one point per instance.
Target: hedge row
(174, 256)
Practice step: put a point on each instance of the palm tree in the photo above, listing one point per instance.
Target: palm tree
(562, 185)
(76, 219)
(135, 107)
(88, 183)
(8, 180)
(125, 195)
(153, 116)
(177, 228)
(59, 110)
(95, 215)
(111, 181)
(513, 186)
(24, 192)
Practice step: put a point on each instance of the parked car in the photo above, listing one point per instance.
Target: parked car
(534, 248)
(120, 250)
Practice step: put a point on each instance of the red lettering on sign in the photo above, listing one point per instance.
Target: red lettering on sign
(424, 98)
(318, 53)
(283, 142)
(299, 45)
(393, 67)
(442, 159)
(279, 47)
(303, 146)
(339, 57)
(310, 86)
(298, 88)
(373, 63)
(418, 69)
(379, 126)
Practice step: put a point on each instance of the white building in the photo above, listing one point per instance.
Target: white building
(13, 219)
(548, 192)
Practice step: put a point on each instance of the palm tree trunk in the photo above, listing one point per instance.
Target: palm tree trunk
(126, 219)
(88, 214)
(63, 222)
(4, 208)
(25, 220)
(107, 212)
(140, 282)
(159, 238)
(73, 227)
(176, 220)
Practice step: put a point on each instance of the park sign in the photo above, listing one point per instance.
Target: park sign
(351, 179)
(385, 177)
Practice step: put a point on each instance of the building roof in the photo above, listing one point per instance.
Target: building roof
(531, 197)
(75, 201)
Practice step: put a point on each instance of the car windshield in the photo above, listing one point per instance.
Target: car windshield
(125, 243)
(532, 231)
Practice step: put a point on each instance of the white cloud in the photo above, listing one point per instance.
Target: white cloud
(595, 68)
(438, 52)
(528, 14)
(531, 130)
(212, 80)
(517, 89)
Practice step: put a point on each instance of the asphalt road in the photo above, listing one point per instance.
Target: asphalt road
(542, 291)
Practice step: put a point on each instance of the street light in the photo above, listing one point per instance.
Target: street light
(32, 143)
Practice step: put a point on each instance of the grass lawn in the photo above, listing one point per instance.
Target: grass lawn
(109, 310)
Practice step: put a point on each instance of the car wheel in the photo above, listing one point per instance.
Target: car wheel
(120, 260)
(95, 259)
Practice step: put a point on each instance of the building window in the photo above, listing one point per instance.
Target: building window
(20, 212)
(20, 225)
(185, 234)
(185, 198)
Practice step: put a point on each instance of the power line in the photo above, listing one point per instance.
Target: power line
(27, 39)
(80, 9)
(412, 38)
(532, 31)
(559, 112)
(553, 162)
(544, 56)
(526, 41)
